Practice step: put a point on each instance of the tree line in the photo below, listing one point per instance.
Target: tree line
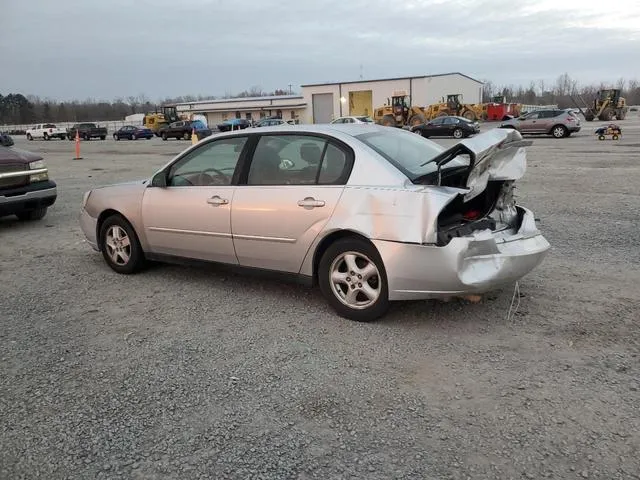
(20, 109)
(559, 93)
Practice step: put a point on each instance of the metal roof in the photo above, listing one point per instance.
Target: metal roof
(242, 99)
(391, 79)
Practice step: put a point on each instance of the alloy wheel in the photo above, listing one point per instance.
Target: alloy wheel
(355, 280)
(118, 245)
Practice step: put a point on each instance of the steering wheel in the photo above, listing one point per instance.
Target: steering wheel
(205, 179)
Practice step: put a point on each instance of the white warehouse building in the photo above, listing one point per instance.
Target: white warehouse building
(322, 102)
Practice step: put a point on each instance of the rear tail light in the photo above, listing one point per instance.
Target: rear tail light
(50, 130)
(471, 215)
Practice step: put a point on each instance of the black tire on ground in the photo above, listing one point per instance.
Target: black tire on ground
(164, 136)
(600, 137)
(388, 121)
(186, 136)
(365, 249)
(116, 137)
(31, 215)
(470, 115)
(606, 115)
(132, 137)
(614, 137)
(136, 256)
(86, 137)
(458, 133)
(103, 137)
(417, 119)
(46, 136)
(29, 137)
(559, 131)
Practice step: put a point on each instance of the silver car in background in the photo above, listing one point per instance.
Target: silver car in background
(371, 214)
(557, 122)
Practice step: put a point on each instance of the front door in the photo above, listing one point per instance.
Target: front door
(293, 184)
(191, 216)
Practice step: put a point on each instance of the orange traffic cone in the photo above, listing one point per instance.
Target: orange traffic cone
(77, 157)
(194, 136)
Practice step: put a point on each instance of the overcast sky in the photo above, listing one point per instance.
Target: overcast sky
(67, 49)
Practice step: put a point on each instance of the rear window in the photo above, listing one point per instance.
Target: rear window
(408, 152)
(365, 119)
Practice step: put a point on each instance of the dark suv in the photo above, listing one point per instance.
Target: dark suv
(25, 188)
(556, 122)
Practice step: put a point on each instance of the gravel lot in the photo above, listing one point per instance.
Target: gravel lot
(200, 373)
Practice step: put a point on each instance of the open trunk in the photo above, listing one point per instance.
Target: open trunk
(486, 168)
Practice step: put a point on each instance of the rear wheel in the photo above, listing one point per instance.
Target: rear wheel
(164, 136)
(458, 133)
(29, 137)
(417, 119)
(353, 280)
(469, 115)
(186, 136)
(606, 115)
(559, 131)
(600, 137)
(116, 137)
(614, 137)
(120, 245)
(388, 121)
(46, 136)
(132, 137)
(37, 214)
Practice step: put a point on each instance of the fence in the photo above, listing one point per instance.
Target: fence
(112, 125)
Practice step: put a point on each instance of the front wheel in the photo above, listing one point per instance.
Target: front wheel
(116, 137)
(353, 280)
(46, 136)
(458, 133)
(120, 245)
(559, 131)
(186, 136)
(132, 137)
(29, 137)
(164, 136)
(30, 215)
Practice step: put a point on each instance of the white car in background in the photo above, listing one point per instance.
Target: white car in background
(353, 119)
(46, 131)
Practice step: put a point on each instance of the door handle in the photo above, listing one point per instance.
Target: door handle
(310, 202)
(216, 200)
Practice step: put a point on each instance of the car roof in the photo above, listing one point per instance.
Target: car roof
(351, 129)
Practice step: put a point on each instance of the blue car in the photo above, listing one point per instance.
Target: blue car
(133, 133)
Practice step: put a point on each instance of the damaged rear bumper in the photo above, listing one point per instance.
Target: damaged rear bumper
(476, 263)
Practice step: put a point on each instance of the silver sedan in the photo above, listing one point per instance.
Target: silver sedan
(370, 214)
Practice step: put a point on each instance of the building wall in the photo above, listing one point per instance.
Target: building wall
(424, 91)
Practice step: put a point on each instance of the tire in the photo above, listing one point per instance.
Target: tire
(103, 137)
(417, 119)
(600, 137)
(32, 215)
(70, 138)
(164, 136)
(606, 115)
(559, 131)
(116, 137)
(46, 136)
(129, 258)
(186, 136)
(388, 121)
(458, 133)
(470, 115)
(614, 137)
(29, 137)
(132, 137)
(86, 137)
(333, 260)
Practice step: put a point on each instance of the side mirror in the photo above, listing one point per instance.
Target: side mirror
(159, 179)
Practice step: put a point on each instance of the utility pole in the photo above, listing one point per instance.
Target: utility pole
(290, 91)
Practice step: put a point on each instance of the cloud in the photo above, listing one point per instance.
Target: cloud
(164, 48)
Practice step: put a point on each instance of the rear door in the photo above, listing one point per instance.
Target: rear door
(285, 197)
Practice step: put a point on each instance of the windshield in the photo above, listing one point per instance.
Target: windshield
(408, 152)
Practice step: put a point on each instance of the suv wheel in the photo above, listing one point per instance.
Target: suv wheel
(559, 131)
(353, 280)
(30, 215)
(120, 245)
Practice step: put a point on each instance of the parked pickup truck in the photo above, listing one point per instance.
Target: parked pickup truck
(46, 131)
(87, 131)
(25, 188)
(183, 129)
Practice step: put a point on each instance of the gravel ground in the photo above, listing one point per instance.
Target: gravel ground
(201, 373)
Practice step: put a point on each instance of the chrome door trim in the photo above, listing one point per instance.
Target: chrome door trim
(190, 232)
